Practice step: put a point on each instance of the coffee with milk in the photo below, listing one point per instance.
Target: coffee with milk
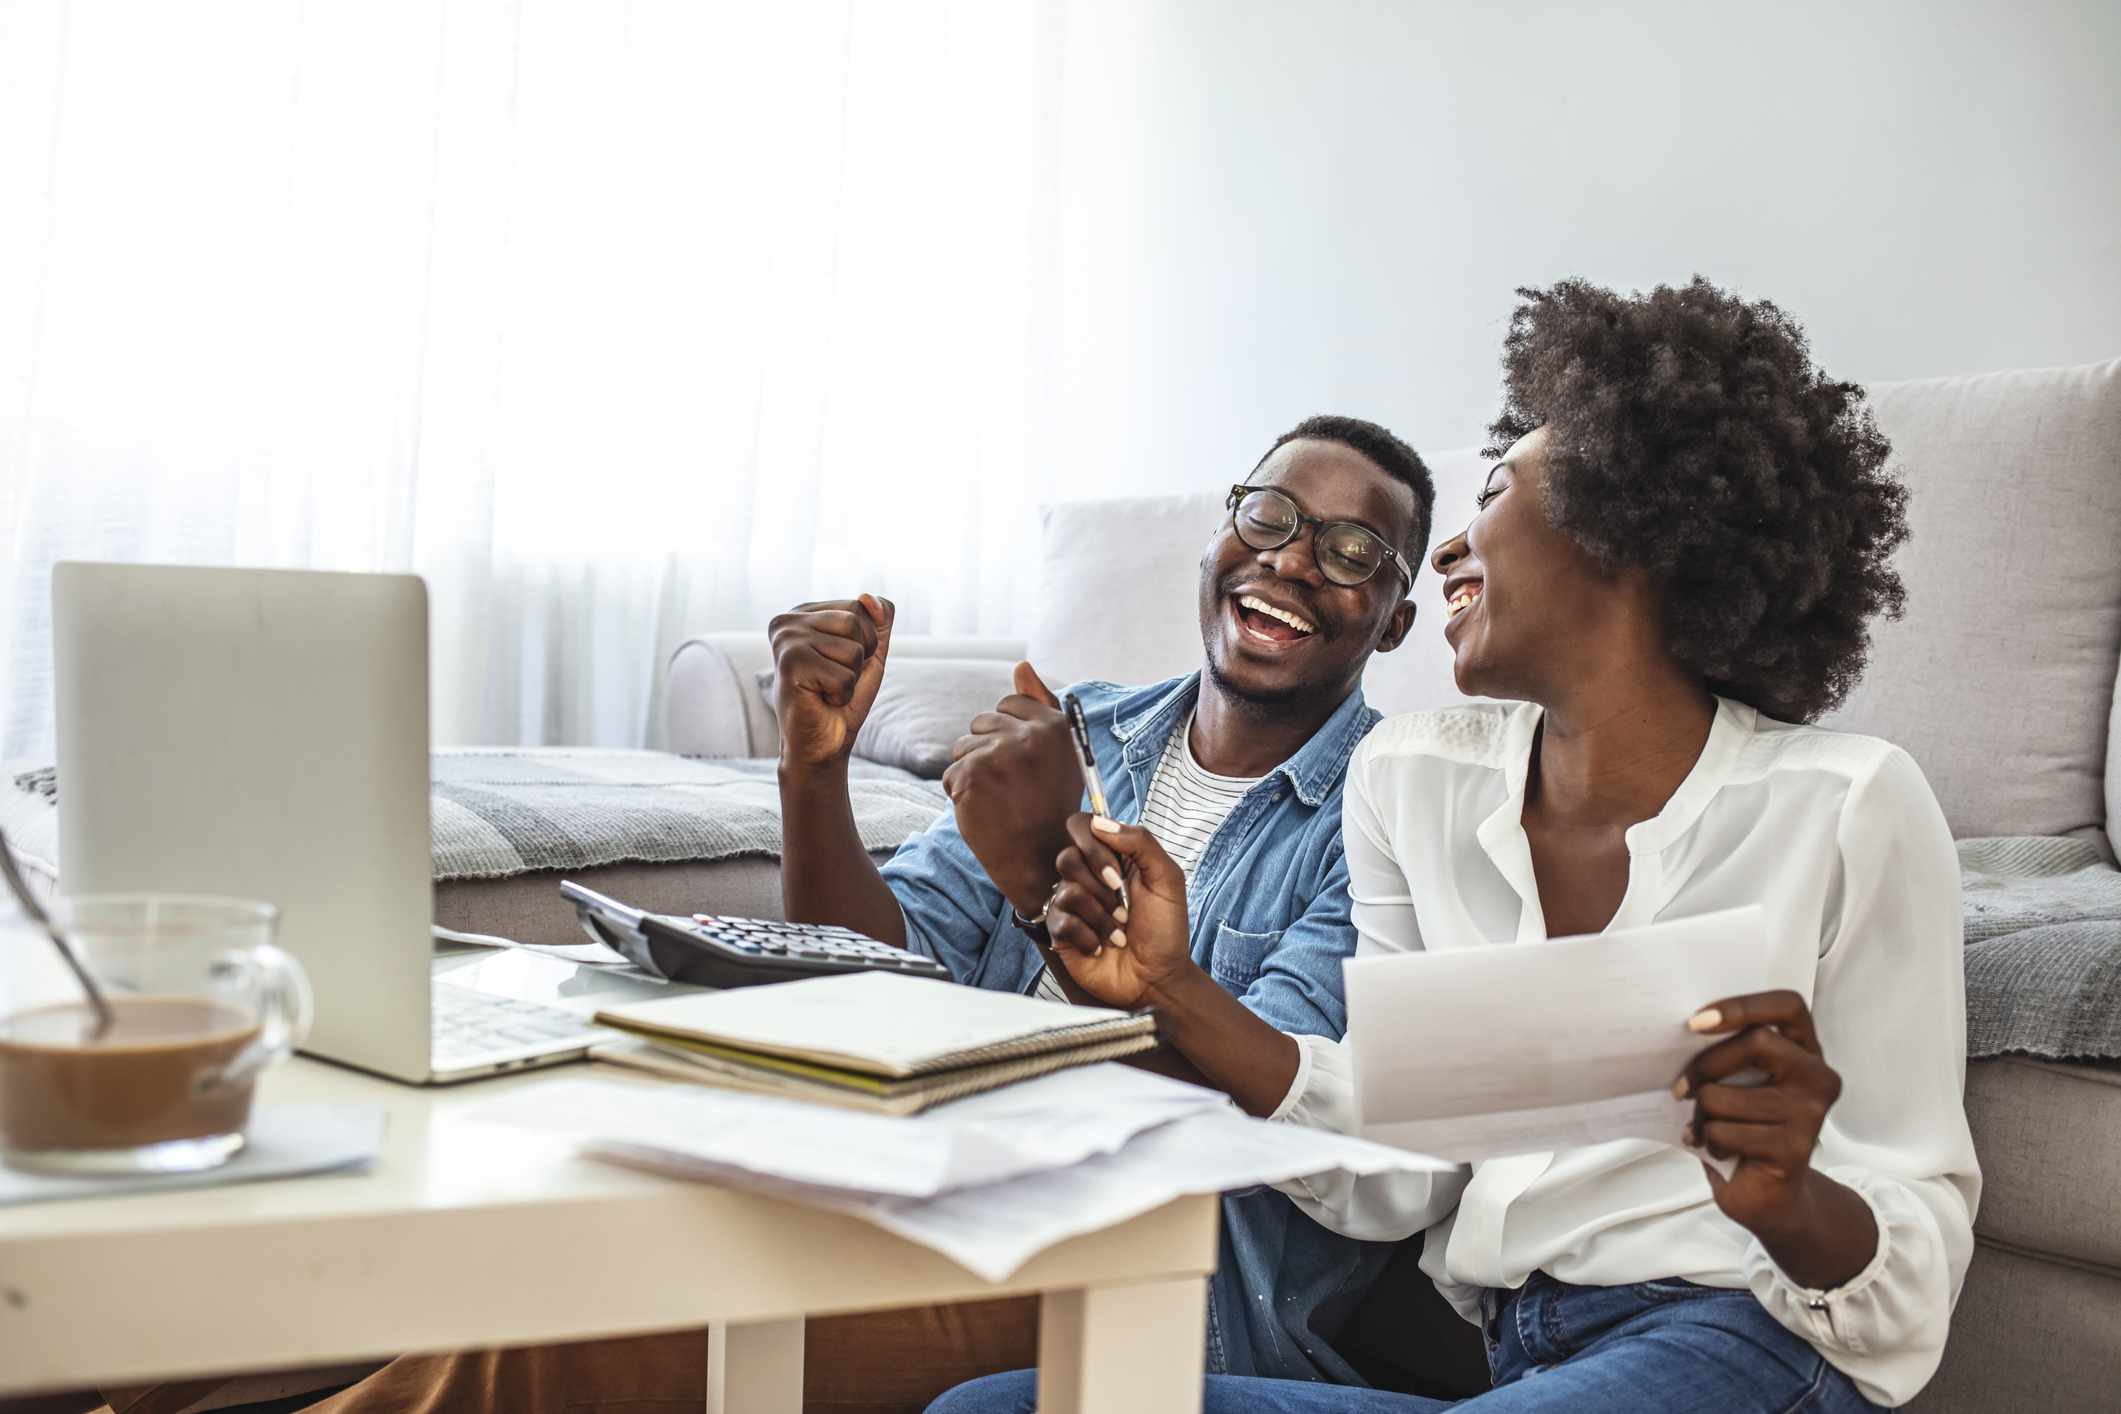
(155, 1075)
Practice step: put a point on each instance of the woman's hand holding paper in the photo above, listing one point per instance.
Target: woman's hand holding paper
(1818, 1231)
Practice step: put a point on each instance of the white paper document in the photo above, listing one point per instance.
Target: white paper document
(1475, 1053)
(991, 1231)
(994, 1228)
(694, 1132)
(990, 1181)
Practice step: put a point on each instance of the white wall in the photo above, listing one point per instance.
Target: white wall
(1282, 208)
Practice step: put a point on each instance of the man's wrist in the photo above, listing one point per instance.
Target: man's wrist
(1029, 896)
(813, 776)
(1032, 920)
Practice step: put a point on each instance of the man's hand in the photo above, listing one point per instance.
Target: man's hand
(1125, 954)
(828, 662)
(1013, 781)
(1819, 1232)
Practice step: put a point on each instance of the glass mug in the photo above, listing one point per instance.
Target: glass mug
(202, 1003)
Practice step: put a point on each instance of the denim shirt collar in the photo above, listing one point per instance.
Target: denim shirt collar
(1142, 731)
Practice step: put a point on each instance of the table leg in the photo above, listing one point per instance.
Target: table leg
(1123, 1349)
(755, 1368)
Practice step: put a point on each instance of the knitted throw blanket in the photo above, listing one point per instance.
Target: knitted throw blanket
(501, 812)
(2043, 948)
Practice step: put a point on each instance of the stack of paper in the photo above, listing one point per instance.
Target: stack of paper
(875, 1041)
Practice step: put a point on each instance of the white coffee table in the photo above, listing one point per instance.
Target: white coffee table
(465, 1234)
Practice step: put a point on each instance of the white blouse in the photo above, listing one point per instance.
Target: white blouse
(1841, 841)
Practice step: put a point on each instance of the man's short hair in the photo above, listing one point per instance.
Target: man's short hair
(1393, 457)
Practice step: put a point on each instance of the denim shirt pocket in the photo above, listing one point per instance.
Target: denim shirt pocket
(1239, 955)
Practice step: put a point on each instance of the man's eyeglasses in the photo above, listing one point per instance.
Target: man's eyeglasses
(1347, 553)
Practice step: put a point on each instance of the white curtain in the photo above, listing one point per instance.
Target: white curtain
(617, 321)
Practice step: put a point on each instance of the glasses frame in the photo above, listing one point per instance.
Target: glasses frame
(1320, 526)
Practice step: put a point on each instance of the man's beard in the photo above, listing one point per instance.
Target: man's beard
(1251, 701)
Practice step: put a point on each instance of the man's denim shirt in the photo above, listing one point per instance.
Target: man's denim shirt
(1268, 907)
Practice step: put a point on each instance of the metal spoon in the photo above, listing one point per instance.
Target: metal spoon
(23, 896)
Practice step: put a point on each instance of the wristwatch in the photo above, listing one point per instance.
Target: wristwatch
(1035, 924)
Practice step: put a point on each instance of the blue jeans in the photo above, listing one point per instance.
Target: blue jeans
(1665, 1345)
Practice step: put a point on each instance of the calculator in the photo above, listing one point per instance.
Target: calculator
(736, 952)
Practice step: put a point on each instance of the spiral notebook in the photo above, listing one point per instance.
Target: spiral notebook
(869, 1040)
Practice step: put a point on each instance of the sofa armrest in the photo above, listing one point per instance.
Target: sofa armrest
(711, 701)
(709, 704)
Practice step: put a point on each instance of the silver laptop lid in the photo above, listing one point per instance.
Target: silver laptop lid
(260, 733)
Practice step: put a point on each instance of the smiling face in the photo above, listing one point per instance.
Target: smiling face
(1526, 606)
(1275, 628)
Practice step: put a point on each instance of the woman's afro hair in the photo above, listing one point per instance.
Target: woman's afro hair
(1688, 434)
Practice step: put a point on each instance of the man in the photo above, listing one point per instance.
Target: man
(1237, 769)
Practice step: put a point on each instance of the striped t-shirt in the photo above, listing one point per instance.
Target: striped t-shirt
(1187, 804)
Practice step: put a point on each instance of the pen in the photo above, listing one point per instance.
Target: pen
(1092, 782)
(1080, 730)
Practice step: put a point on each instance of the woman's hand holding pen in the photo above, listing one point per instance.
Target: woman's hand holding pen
(1139, 953)
(1819, 1232)
(1126, 954)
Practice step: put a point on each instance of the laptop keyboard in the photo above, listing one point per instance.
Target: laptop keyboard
(470, 1024)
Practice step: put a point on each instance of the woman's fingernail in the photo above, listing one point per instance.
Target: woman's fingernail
(1119, 915)
(1707, 1019)
(1104, 826)
(1110, 876)
(1680, 1088)
(1118, 939)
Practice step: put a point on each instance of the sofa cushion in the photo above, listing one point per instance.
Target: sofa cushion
(1119, 587)
(924, 706)
(528, 908)
(2049, 1138)
(2028, 1335)
(2000, 680)
(1119, 591)
(712, 705)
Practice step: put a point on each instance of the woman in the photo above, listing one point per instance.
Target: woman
(1670, 568)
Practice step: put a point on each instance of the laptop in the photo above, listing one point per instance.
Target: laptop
(264, 734)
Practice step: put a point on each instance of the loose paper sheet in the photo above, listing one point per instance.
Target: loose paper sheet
(989, 1181)
(993, 1229)
(692, 1131)
(1475, 1053)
